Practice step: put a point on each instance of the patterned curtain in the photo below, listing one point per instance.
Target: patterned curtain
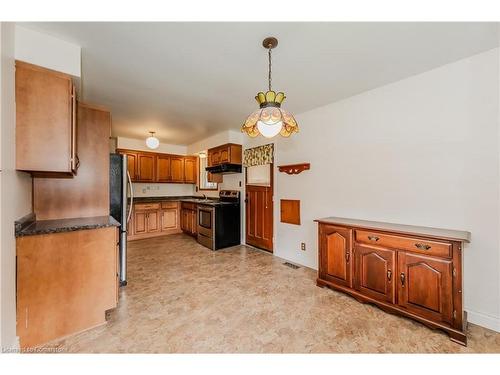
(259, 155)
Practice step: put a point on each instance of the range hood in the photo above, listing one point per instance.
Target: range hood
(226, 168)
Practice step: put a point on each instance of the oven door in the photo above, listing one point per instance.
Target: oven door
(206, 222)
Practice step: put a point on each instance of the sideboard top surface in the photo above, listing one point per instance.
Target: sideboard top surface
(454, 235)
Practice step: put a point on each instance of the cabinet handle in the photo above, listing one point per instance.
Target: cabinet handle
(347, 256)
(389, 275)
(422, 246)
(373, 238)
(402, 277)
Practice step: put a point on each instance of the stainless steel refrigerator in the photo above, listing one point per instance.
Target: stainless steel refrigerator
(120, 187)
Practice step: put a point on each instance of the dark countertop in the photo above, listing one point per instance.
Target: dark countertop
(161, 199)
(28, 226)
(456, 235)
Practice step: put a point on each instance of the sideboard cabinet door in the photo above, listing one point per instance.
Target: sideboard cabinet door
(375, 272)
(335, 255)
(425, 286)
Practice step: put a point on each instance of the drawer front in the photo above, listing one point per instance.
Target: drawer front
(168, 204)
(189, 206)
(146, 206)
(416, 245)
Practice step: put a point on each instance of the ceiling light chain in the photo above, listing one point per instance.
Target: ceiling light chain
(270, 67)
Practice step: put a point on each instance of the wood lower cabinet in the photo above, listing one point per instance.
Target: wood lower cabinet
(426, 286)
(335, 260)
(374, 272)
(154, 219)
(189, 223)
(412, 271)
(65, 283)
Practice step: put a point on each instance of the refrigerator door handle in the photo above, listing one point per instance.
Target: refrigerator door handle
(131, 197)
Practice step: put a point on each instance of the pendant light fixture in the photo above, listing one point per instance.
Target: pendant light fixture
(270, 119)
(152, 142)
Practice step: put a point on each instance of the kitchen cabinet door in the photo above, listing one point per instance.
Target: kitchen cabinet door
(169, 219)
(177, 169)
(153, 221)
(224, 155)
(335, 250)
(132, 165)
(375, 272)
(163, 168)
(140, 224)
(190, 170)
(214, 157)
(45, 121)
(425, 286)
(146, 167)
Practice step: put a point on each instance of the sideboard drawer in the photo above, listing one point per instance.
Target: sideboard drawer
(416, 245)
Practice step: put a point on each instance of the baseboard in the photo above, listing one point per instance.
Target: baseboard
(483, 320)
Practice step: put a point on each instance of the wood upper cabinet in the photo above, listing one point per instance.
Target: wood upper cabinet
(45, 121)
(228, 153)
(190, 168)
(155, 167)
(375, 272)
(163, 168)
(132, 165)
(177, 169)
(425, 286)
(335, 257)
(146, 164)
(412, 271)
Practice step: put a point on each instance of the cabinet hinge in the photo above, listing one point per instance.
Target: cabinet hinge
(454, 314)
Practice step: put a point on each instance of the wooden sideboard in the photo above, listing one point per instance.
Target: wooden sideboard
(407, 270)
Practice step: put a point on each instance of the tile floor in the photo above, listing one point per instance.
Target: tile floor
(184, 298)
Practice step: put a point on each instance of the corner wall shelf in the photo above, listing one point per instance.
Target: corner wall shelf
(294, 168)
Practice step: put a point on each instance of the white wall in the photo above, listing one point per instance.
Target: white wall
(45, 50)
(15, 190)
(422, 151)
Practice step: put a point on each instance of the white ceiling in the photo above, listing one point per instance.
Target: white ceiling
(187, 81)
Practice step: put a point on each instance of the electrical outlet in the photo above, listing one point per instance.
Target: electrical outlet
(303, 246)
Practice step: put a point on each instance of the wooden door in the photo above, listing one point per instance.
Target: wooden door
(140, 225)
(169, 219)
(259, 216)
(146, 167)
(193, 222)
(132, 165)
(336, 250)
(153, 221)
(190, 170)
(163, 168)
(375, 272)
(425, 286)
(184, 214)
(177, 169)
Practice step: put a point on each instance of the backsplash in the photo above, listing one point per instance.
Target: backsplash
(161, 190)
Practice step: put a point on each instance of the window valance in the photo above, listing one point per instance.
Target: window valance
(260, 155)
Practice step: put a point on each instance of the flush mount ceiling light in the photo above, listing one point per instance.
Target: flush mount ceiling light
(152, 142)
(270, 119)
